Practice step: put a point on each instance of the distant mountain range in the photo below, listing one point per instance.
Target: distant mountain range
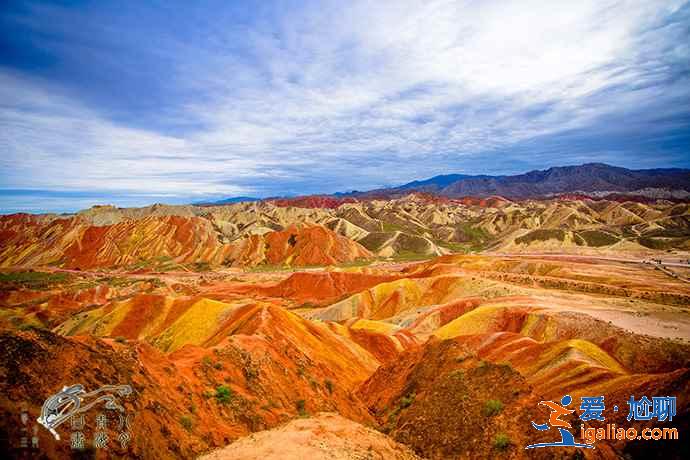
(590, 178)
(587, 178)
(235, 199)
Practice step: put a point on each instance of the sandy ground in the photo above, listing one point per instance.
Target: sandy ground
(325, 436)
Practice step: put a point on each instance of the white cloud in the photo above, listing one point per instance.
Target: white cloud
(355, 68)
(370, 82)
(50, 142)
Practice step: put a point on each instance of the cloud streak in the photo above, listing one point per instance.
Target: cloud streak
(318, 97)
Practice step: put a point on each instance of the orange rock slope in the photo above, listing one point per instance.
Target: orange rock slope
(219, 380)
(296, 245)
(449, 356)
(150, 241)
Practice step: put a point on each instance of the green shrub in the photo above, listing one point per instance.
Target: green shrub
(223, 394)
(186, 422)
(493, 407)
(120, 339)
(407, 401)
(329, 385)
(502, 441)
(301, 409)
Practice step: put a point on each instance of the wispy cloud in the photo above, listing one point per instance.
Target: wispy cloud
(308, 97)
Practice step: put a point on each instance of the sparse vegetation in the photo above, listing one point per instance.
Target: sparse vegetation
(406, 401)
(542, 234)
(462, 248)
(156, 282)
(329, 385)
(475, 235)
(373, 241)
(201, 266)
(264, 268)
(392, 227)
(361, 262)
(661, 244)
(186, 422)
(120, 339)
(493, 407)
(457, 374)
(32, 279)
(29, 327)
(81, 285)
(250, 372)
(406, 256)
(140, 265)
(164, 264)
(502, 441)
(596, 238)
(224, 394)
(300, 405)
(462, 358)
(118, 281)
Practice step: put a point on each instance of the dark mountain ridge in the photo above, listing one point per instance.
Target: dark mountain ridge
(587, 178)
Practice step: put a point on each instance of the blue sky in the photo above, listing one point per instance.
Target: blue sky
(132, 103)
